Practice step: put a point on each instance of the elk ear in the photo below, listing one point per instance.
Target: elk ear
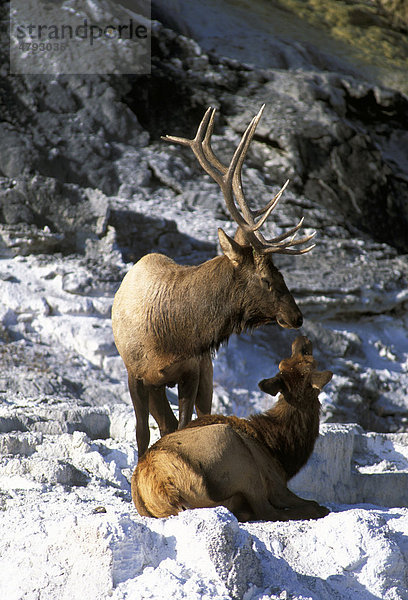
(272, 386)
(321, 378)
(230, 248)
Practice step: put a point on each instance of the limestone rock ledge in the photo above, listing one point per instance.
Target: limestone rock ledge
(352, 467)
(68, 523)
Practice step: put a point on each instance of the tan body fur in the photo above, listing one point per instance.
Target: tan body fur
(242, 464)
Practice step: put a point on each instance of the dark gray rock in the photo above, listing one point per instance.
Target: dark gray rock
(138, 234)
(16, 152)
(25, 240)
(52, 209)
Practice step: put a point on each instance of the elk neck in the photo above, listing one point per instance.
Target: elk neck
(289, 432)
(206, 303)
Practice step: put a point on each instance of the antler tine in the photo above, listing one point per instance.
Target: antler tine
(293, 242)
(199, 135)
(230, 181)
(285, 247)
(235, 169)
(208, 151)
(286, 234)
(272, 203)
(206, 122)
(237, 180)
(197, 143)
(289, 250)
(233, 175)
(269, 207)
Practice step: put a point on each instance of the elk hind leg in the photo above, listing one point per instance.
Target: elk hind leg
(243, 491)
(262, 509)
(187, 391)
(205, 386)
(140, 400)
(160, 409)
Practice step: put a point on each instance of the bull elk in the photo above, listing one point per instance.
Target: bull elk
(167, 319)
(242, 464)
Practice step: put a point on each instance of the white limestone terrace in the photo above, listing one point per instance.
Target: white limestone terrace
(68, 527)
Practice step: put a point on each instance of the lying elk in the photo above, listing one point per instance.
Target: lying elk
(242, 464)
(167, 318)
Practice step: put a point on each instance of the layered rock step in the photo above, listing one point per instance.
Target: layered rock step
(350, 466)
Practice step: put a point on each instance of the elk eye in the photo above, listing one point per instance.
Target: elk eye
(266, 283)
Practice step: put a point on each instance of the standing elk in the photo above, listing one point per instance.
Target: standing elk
(167, 318)
(242, 464)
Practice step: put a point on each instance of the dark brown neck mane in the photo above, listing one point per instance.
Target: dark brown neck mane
(289, 432)
(208, 319)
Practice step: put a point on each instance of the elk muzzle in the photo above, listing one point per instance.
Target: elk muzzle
(290, 317)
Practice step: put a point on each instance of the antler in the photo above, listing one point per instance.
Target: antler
(230, 182)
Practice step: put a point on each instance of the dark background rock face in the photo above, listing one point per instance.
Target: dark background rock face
(87, 186)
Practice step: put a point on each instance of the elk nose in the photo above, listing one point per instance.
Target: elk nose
(299, 322)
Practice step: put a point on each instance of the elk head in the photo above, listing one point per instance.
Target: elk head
(268, 298)
(298, 379)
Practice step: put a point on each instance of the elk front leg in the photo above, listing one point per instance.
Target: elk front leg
(310, 510)
(140, 400)
(160, 409)
(205, 386)
(263, 509)
(187, 392)
(295, 507)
